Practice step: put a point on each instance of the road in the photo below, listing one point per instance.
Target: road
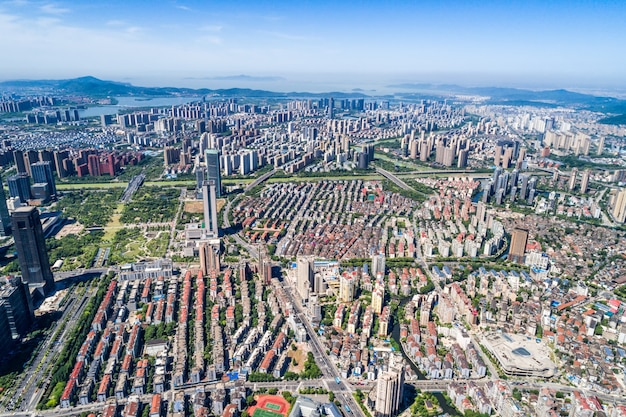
(393, 178)
(254, 253)
(28, 388)
(330, 372)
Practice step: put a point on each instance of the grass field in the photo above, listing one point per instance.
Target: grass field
(114, 225)
(91, 186)
(259, 412)
(329, 178)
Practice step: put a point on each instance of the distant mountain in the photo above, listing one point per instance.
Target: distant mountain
(517, 96)
(94, 87)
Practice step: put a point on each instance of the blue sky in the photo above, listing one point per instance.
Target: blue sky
(321, 43)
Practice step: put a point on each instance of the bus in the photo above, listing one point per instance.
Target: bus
(337, 380)
(347, 408)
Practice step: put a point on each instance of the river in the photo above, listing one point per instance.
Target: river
(136, 102)
(395, 334)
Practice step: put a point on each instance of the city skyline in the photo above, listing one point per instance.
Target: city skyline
(284, 46)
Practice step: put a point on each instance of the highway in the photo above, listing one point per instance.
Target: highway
(28, 388)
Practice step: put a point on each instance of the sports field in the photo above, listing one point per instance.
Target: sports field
(269, 406)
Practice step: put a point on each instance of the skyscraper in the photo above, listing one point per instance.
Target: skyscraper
(42, 172)
(31, 250)
(209, 203)
(18, 158)
(19, 186)
(304, 276)
(17, 307)
(212, 157)
(389, 392)
(519, 238)
(5, 219)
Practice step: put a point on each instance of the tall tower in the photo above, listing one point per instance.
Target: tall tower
(42, 172)
(31, 250)
(214, 173)
(209, 202)
(5, 219)
(519, 238)
(389, 392)
(304, 276)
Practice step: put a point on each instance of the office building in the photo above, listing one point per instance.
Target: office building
(17, 307)
(200, 177)
(209, 202)
(389, 392)
(517, 249)
(214, 173)
(19, 186)
(5, 218)
(31, 250)
(42, 173)
(18, 158)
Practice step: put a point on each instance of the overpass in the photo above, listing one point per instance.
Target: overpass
(393, 179)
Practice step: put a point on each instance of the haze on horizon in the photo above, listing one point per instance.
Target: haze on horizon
(318, 45)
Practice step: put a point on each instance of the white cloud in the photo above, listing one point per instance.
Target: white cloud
(51, 8)
(182, 7)
(211, 28)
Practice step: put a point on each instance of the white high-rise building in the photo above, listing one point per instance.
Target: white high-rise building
(304, 276)
(209, 203)
(389, 392)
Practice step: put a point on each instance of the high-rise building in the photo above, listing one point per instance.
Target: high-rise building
(200, 177)
(30, 157)
(619, 206)
(31, 250)
(18, 307)
(214, 173)
(584, 181)
(304, 276)
(572, 179)
(378, 264)
(42, 173)
(209, 202)
(600, 145)
(209, 257)
(347, 285)
(389, 392)
(517, 249)
(19, 186)
(378, 297)
(18, 158)
(5, 219)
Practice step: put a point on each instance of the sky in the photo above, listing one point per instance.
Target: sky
(317, 45)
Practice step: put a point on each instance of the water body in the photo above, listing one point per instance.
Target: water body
(136, 102)
(395, 334)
